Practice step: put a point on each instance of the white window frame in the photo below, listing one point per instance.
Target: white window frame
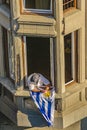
(73, 58)
(51, 60)
(38, 10)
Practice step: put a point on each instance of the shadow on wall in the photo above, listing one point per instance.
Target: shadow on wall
(34, 116)
(6, 124)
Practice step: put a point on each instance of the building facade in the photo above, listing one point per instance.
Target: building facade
(46, 37)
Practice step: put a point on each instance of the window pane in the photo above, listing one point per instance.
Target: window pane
(68, 58)
(68, 4)
(38, 4)
(30, 4)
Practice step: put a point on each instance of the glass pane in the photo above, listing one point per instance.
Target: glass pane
(38, 4)
(68, 58)
(30, 4)
(68, 4)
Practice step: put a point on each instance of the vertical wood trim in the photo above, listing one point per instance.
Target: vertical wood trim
(60, 72)
(76, 54)
(52, 60)
(75, 3)
(23, 57)
(21, 6)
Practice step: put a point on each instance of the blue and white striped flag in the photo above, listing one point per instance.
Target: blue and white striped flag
(45, 104)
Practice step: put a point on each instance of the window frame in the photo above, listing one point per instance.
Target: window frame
(74, 58)
(51, 60)
(11, 57)
(8, 51)
(42, 11)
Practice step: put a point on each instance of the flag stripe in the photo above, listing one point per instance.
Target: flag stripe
(49, 109)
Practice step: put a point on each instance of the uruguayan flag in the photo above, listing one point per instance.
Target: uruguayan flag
(45, 104)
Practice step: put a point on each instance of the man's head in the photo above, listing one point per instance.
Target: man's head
(35, 78)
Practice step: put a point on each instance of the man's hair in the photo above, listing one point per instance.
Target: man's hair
(35, 77)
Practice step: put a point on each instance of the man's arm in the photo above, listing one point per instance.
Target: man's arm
(37, 90)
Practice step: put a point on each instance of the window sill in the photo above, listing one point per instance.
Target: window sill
(70, 12)
(36, 19)
(75, 87)
(35, 12)
(71, 89)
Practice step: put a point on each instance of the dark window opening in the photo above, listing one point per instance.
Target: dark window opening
(7, 2)
(5, 50)
(38, 4)
(38, 55)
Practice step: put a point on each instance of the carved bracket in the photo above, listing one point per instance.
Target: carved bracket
(58, 105)
(63, 22)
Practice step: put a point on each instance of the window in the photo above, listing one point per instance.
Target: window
(38, 6)
(70, 57)
(8, 54)
(11, 56)
(5, 50)
(39, 56)
(7, 2)
(68, 4)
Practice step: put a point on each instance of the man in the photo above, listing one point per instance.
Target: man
(43, 95)
(38, 83)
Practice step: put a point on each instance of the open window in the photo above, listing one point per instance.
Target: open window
(37, 6)
(39, 56)
(70, 47)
